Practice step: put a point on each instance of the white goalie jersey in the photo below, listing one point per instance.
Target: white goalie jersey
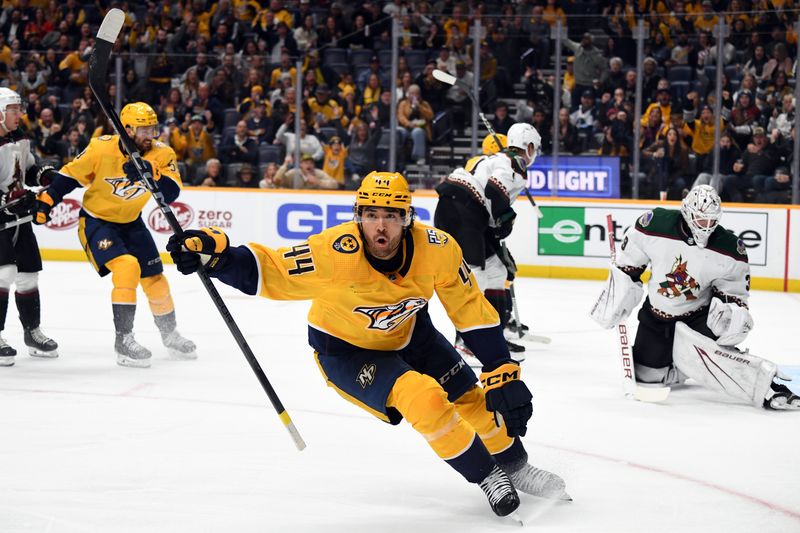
(685, 277)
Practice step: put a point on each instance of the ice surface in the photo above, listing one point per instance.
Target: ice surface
(86, 445)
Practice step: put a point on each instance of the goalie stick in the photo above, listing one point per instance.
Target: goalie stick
(629, 386)
(98, 69)
(449, 79)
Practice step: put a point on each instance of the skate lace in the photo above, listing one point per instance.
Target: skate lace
(496, 485)
(38, 336)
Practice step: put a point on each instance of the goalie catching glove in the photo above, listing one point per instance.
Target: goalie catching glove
(508, 396)
(206, 246)
(619, 297)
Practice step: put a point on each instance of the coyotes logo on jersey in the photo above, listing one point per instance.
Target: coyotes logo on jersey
(679, 282)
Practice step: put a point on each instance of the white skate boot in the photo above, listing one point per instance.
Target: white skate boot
(535, 481)
(178, 346)
(131, 353)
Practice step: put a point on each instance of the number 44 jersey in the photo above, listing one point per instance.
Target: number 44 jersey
(684, 276)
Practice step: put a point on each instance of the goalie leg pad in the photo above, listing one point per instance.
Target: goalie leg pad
(721, 368)
(619, 297)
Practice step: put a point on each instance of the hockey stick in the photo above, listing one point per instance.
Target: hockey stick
(449, 79)
(629, 385)
(520, 332)
(98, 69)
(15, 223)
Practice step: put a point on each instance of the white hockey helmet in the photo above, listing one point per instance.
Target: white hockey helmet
(702, 209)
(521, 136)
(7, 98)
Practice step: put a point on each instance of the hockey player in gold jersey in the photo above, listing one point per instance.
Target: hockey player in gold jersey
(112, 232)
(370, 281)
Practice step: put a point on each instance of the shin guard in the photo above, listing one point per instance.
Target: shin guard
(472, 408)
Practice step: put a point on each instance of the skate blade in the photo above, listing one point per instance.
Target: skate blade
(124, 360)
(7, 360)
(178, 355)
(35, 352)
(514, 517)
(518, 357)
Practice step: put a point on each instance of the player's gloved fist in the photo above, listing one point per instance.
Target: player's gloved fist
(129, 168)
(508, 396)
(205, 246)
(41, 207)
(22, 199)
(505, 223)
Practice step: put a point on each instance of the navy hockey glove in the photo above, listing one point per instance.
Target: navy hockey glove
(18, 201)
(206, 246)
(133, 176)
(508, 396)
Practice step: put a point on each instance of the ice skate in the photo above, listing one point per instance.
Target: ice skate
(178, 346)
(7, 353)
(535, 481)
(467, 354)
(503, 498)
(39, 344)
(512, 333)
(131, 353)
(782, 398)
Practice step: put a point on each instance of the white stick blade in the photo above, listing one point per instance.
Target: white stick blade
(651, 394)
(111, 25)
(444, 77)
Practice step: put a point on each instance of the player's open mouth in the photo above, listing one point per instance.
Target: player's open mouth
(382, 241)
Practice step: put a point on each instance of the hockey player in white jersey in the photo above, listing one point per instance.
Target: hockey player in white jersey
(696, 308)
(20, 261)
(475, 208)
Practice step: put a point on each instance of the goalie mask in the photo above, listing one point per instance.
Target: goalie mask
(702, 209)
(385, 189)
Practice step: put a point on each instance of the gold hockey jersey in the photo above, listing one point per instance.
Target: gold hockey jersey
(110, 195)
(354, 302)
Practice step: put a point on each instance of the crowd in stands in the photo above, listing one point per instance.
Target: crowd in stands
(221, 76)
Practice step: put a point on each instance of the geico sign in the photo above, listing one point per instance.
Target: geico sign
(158, 222)
(299, 221)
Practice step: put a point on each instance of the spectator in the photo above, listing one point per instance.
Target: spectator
(335, 157)
(758, 163)
(446, 61)
(703, 133)
(663, 102)
(457, 97)
(780, 125)
(309, 143)
(285, 67)
(539, 31)
(246, 177)
(777, 187)
(670, 166)
(322, 110)
(307, 176)
(239, 147)
(501, 121)
(744, 117)
(330, 34)
(756, 64)
(650, 130)
(268, 177)
(780, 62)
(538, 92)
(415, 115)
(306, 35)
(199, 142)
(729, 153)
(568, 142)
(650, 79)
(614, 77)
(361, 152)
(584, 117)
(279, 40)
(259, 126)
(73, 147)
(590, 65)
(213, 174)
(371, 93)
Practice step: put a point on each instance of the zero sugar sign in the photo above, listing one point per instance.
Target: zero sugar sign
(581, 231)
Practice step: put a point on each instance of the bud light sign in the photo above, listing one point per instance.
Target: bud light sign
(582, 177)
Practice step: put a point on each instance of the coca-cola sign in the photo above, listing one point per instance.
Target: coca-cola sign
(65, 215)
(158, 222)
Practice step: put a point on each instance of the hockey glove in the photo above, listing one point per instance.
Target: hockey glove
(619, 297)
(507, 396)
(505, 223)
(18, 201)
(206, 246)
(42, 206)
(129, 168)
(728, 321)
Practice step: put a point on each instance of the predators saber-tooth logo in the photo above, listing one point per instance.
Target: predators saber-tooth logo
(125, 188)
(388, 317)
(104, 244)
